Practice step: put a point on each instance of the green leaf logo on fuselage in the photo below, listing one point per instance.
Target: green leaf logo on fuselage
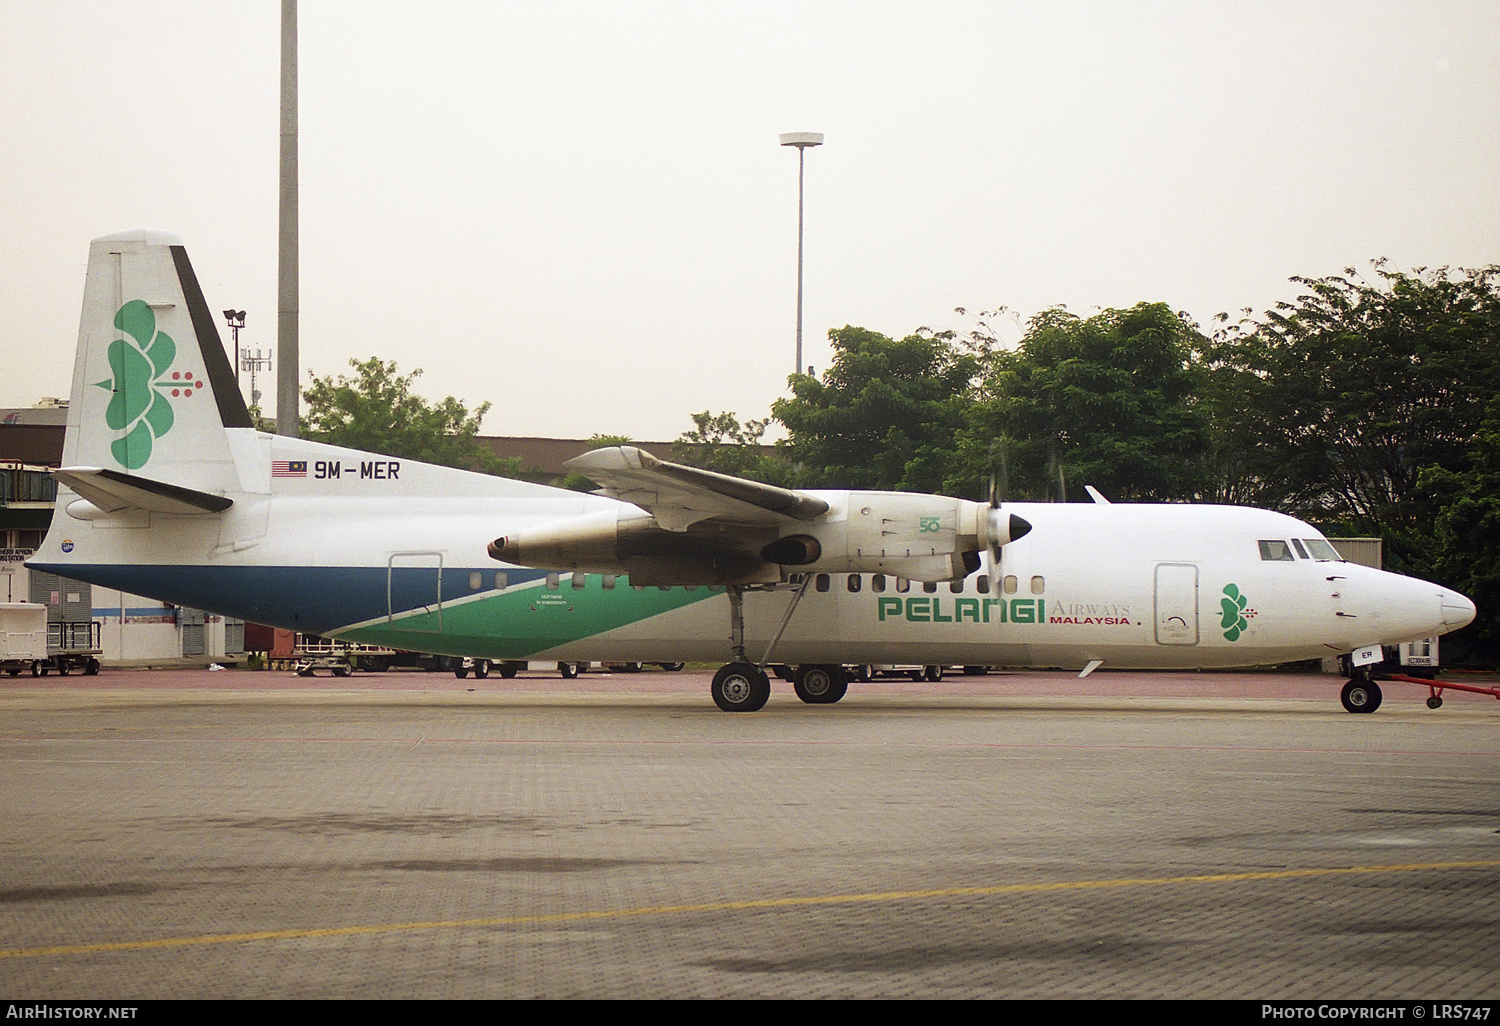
(1233, 605)
(138, 403)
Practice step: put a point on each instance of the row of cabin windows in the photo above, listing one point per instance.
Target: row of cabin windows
(879, 583)
(1009, 584)
(1276, 550)
(576, 581)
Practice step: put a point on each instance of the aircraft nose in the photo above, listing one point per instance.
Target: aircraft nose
(1458, 610)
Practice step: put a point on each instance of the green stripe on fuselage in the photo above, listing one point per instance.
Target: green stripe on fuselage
(520, 622)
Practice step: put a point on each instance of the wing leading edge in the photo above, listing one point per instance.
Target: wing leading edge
(679, 496)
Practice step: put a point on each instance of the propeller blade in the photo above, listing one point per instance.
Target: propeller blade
(1001, 528)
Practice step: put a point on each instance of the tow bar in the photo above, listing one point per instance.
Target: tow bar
(1437, 687)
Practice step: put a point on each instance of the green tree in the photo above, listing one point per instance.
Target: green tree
(1349, 393)
(885, 413)
(376, 410)
(719, 442)
(1466, 531)
(1108, 401)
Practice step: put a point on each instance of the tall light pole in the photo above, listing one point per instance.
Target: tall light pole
(287, 273)
(801, 140)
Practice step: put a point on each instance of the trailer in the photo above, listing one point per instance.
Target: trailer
(310, 653)
(72, 645)
(23, 637)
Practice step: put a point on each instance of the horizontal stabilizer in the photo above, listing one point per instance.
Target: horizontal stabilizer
(679, 496)
(116, 492)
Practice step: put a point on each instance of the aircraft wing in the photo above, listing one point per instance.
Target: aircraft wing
(114, 492)
(679, 496)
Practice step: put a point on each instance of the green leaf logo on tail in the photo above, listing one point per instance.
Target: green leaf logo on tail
(1233, 604)
(138, 403)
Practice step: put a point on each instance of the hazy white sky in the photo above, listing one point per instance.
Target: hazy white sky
(579, 211)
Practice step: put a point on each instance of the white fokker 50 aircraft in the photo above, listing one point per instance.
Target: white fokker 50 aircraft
(168, 491)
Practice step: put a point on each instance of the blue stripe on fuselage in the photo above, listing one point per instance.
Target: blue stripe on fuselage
(311, 599)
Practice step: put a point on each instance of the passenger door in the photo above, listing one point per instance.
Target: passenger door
(1176, 604)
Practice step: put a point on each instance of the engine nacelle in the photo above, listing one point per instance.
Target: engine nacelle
(919, 537)
(905, 534)
(628, 541)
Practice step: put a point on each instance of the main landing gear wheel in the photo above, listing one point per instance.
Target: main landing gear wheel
(1361, 696)
(741, 687)
(481, 668)
(821, 685)
(509, 670)
(568, 670)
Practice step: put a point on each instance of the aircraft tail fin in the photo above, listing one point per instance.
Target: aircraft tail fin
(153, 390)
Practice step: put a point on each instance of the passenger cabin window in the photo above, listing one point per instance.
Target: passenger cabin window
(552, 579)
(822, 582)
(1010, 584)
(929, 587)
(854, 582)
(903, 585)
(1276, 551)
(877, 582)
(982, 583)
(1038, 585)
(608, 581)
(500, 580)
(578, 579)
(957, 587)
(476, 580)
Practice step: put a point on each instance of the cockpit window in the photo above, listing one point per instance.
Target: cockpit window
(1276, 550)
(1301, 552)
(1320, 549)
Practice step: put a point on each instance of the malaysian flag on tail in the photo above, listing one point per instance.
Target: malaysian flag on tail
(288, 468)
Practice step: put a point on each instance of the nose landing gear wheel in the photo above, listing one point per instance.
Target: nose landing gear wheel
(1361, 696)
(740, 687)
(821, 685)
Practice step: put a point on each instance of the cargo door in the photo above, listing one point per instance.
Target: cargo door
(414, 591)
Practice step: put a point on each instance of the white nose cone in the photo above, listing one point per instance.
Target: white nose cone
(1458, 610)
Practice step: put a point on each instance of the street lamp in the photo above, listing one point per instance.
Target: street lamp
(801, 140)
(236, 319)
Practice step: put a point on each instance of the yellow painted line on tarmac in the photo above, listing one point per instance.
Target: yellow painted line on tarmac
(739, 906)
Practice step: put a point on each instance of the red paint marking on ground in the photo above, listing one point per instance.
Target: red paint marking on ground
(999, 684)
